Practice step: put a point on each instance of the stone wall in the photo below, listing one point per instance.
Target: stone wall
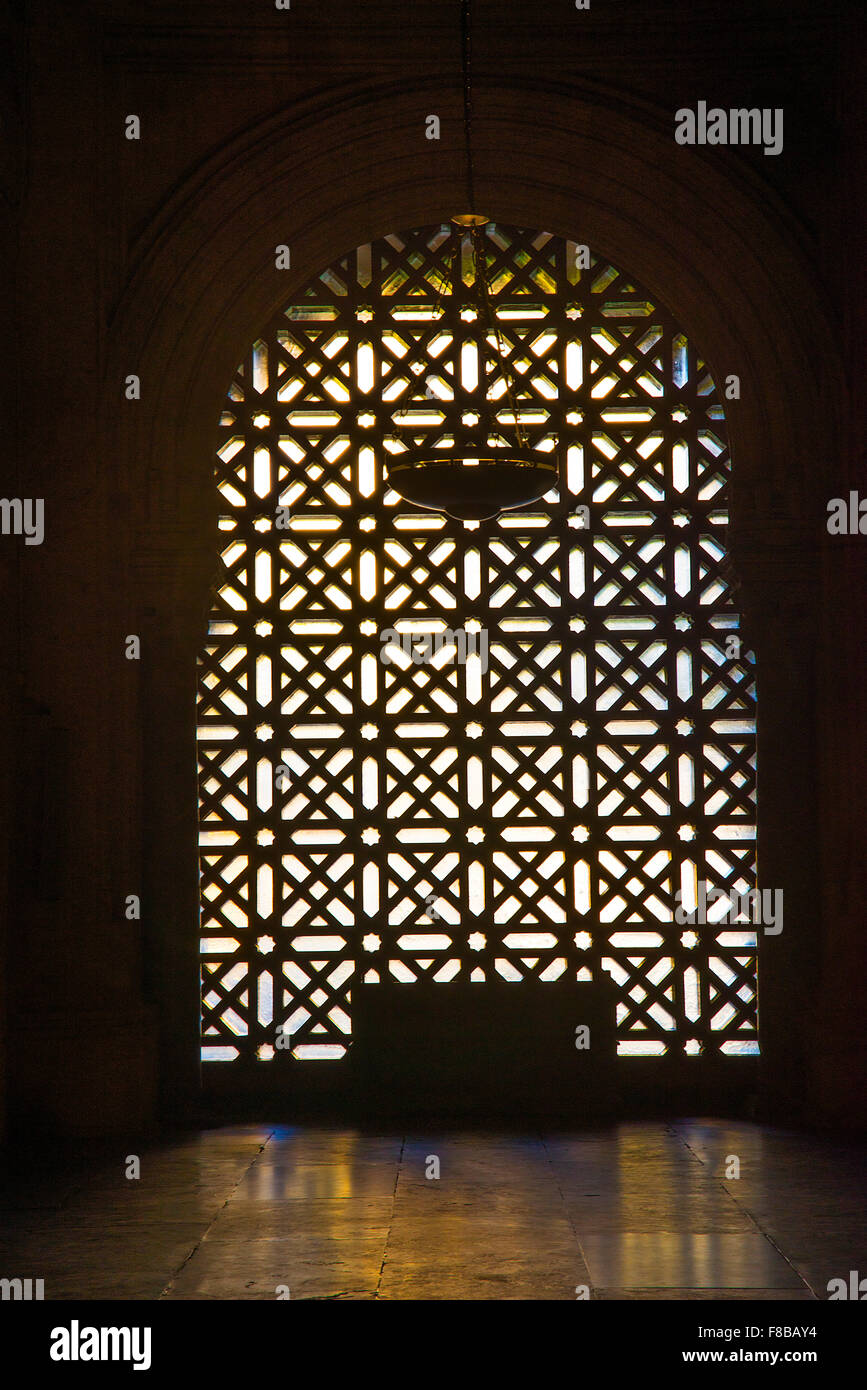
(155, 257)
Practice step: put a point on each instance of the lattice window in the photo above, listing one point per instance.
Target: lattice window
(369, 808)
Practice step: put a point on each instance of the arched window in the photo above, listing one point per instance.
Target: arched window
(527, 796)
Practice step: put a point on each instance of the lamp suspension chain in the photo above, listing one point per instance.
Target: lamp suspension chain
(466, 64)
(474, 474)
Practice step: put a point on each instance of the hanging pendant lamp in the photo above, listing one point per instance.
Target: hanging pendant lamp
(487, 466)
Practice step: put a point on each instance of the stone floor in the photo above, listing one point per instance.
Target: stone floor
(641, 1210)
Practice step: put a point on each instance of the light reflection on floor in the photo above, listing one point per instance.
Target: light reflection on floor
(639, 1210)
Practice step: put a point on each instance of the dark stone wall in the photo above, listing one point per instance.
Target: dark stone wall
(156, 257)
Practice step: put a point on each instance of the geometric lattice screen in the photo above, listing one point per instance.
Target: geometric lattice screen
(526, 796)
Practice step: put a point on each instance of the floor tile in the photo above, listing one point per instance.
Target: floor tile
(678, 1259)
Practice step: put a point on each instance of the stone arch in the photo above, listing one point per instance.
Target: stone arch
(699, 230)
